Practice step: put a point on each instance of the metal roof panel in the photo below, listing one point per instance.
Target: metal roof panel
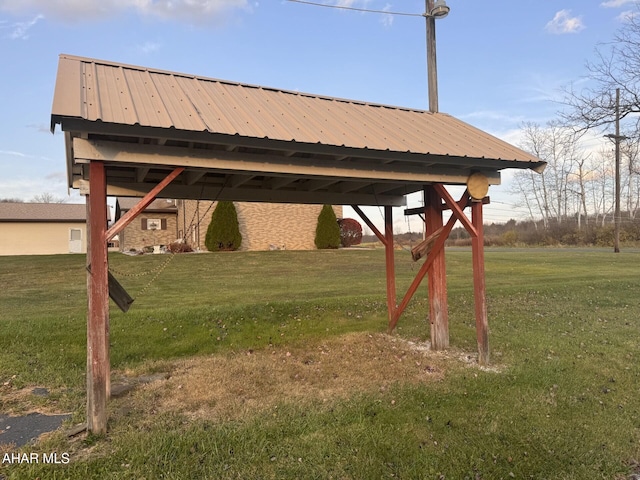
(129, 95)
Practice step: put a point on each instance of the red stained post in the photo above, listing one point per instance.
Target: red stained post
(438, 307)
(98, 368)
(390, 263)
(479, 288)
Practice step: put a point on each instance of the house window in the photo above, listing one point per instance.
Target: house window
(154, 224)
(75, 234)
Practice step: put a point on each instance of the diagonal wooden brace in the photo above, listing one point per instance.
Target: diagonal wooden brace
(128, 217)
(455, 208)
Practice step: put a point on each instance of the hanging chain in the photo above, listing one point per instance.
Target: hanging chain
(160, 267)
(159, 270)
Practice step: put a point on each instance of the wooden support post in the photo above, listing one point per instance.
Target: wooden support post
(479, 288)
(387, 241)
(438, 308)
(390, 263)
(98, 369)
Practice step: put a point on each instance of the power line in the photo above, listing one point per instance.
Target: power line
(405, 14)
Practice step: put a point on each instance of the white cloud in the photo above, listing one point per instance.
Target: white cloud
(616, 3)
(627, 16)
(13, 153)
(387, 20)
(149, 47)
(20, 30)
(351, 3)
(563, 23)
(192, 11)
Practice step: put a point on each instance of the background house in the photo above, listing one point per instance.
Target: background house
(42, 228)
(264, 226)
(156, 225)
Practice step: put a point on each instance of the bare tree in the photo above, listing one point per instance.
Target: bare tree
(601, 185)
(11, 200)
(47, 197)
(524, 188)
(617, 65)
(549, 193)
(630, 150)
(581, 176)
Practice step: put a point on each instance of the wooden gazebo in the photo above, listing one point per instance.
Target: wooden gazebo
(140, 132)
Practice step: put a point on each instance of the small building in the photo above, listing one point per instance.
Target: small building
(156, 225)
(263, 226)
(42, 228)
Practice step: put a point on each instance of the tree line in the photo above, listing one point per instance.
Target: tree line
(573, 200)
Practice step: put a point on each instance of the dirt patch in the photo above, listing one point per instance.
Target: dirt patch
(229, 386)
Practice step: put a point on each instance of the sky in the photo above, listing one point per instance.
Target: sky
(500, 63)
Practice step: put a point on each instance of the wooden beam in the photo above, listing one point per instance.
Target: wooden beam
(479, 287)
(348, 187)
(192, 176)
(141, 173)
(425, 246)
(87, 150)
(455, 208)
(238, 180)
(220, 192)
(438, 308)
(128, 217)
(98, 368)
(275, 183)
(317, 184)
(390, 263)
(420, 210)
(370, 224)
(424, 269)
(487, 166)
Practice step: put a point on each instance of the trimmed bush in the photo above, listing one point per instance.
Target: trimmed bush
(179, 247)
(350, 232)
(327, 230)
(223, 233)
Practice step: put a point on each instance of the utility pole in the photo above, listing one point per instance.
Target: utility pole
(432, 69)
(617, 138)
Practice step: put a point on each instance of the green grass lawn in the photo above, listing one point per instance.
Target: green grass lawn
(563, 401)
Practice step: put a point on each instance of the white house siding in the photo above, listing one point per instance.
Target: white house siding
(39, 238)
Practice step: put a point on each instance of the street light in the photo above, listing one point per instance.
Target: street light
(439, 9)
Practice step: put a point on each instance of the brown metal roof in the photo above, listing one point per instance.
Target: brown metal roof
(42, 212)
(250, 143)
(129, 95)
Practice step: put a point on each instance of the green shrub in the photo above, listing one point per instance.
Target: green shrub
(327, 230)
(224, 231)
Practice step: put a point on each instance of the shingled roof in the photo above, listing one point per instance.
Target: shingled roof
(42, 212)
